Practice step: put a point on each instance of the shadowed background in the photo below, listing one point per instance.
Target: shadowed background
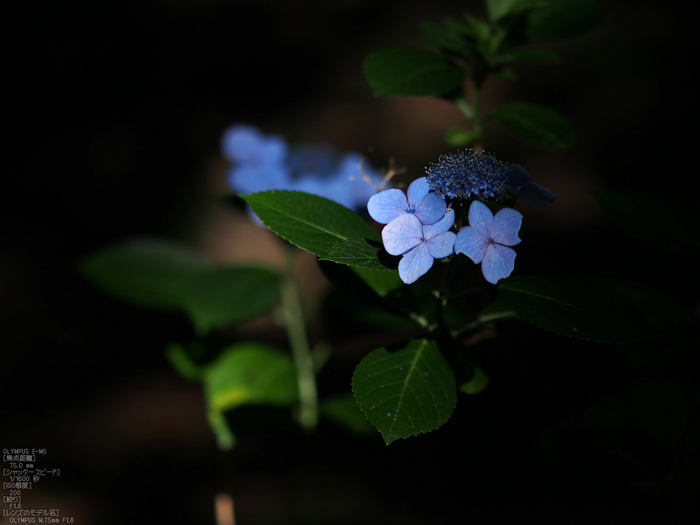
(119, 110)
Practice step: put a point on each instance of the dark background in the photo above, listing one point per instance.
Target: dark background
(116, 112)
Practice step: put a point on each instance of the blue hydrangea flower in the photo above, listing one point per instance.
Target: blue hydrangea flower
(387, 205)
(466, 173)
(487, 238)
(527, 189)
(259, 162)
(262, 163)
(419, 243)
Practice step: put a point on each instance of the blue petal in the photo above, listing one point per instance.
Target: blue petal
(498, 263)
(441, 226)
(417, 191)
(415, 263)
(387, 205)
(481, 218)
(402, 234)
(431, 209)
(505, 227)
(441, 245)
(472, 243)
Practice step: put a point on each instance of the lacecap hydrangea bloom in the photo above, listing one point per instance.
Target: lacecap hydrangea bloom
(473, 173)
(487, 239)
(261, 163)
(468, 173)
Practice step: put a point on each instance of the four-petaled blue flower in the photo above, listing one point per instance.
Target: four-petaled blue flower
(387, 205)
(487, 238)
(419, 243)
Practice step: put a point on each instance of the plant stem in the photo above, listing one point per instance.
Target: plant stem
(295, 325)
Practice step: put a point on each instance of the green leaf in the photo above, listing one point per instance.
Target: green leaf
(575, 306)
(382, 282)
(561, 19)
(535, 124)
(412, 72)
(660, 408)
(344, 410)
(146, 272)
(652, 219)
(498, 9)
(406, 392)
(659, 311)
(497, 311)
(358, 252)
(230, 294)
(313, 223)
(247, 373)
(477, 383)
(459, 28)
(446, 40)
(459, 137)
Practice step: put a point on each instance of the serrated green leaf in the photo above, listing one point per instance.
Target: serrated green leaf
(575, 306)
(313, 223)
(247, 373)
(357, 252)
(652, 219)
(561, 19)
(535, 124)
(412, 72)
(344, 410)
(405, 392)
(145, 271)
(229, 294)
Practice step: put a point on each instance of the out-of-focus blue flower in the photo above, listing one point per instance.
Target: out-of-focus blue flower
(259, 161)
(419, 243)
(262, 163)
(387, 205)
(466, 173)
(487, 238)
(527, 189)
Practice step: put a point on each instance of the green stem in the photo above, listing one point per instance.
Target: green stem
(303, 361)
